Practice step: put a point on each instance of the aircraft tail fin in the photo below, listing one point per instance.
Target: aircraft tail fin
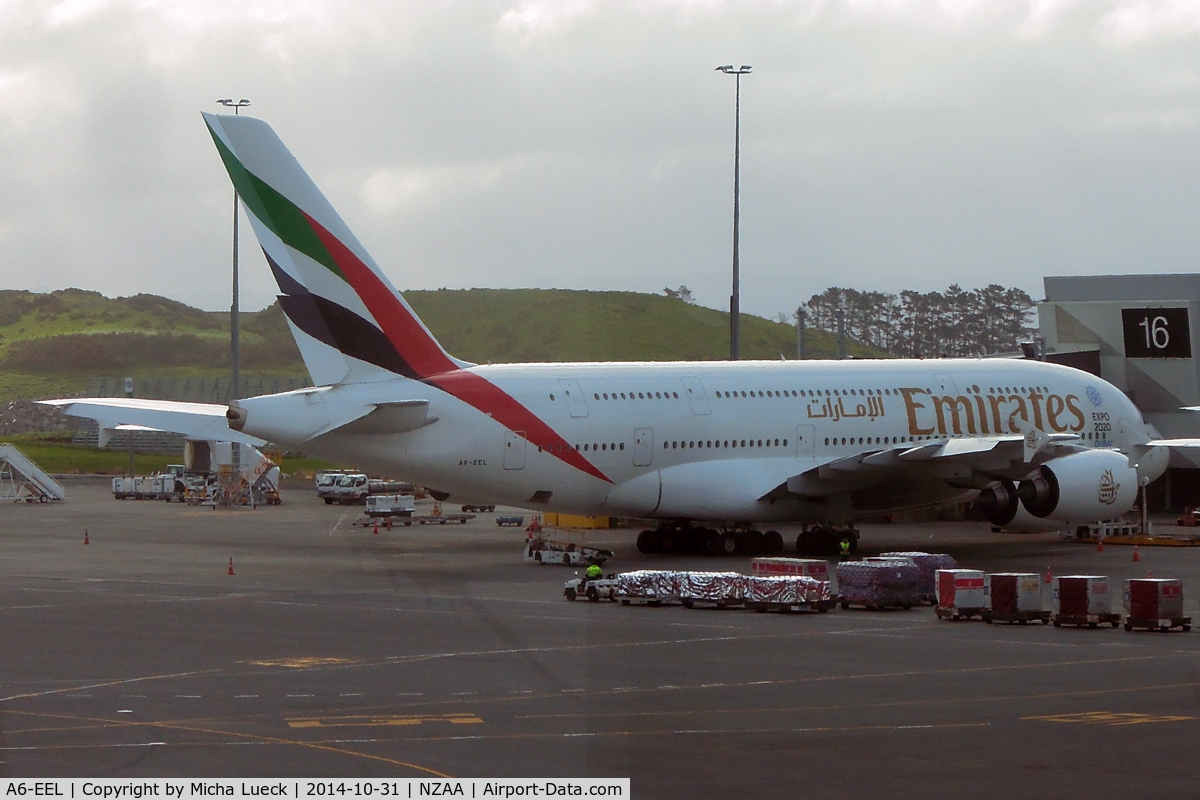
(348, 320)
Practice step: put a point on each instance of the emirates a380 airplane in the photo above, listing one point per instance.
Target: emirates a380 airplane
(713, 450)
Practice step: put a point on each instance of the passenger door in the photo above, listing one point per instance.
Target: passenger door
(576, 402)
(805, 434)
(514, 449)
(643, 446)
(696, 396)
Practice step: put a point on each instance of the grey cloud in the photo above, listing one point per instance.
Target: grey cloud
(589, 145)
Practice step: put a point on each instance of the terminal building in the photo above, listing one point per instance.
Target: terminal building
(1135, 331)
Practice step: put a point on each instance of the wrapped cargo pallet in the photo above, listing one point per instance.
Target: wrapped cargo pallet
(651, 586)
(1155, 604)
(1082, 600)
(959, 593)
(1014, 597)
(929, 564)
(879, 583)
(721, 589)
(787, 593)
(810, 567)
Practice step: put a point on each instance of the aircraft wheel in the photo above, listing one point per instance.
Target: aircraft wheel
(772, 543)
(756, 542)
(728, 544)
(712, 542)
(668, 542)
(647, 542)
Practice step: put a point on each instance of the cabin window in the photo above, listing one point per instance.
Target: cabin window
(551, 398)
(622, 445)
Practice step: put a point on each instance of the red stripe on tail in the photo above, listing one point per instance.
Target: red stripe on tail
(425, 356)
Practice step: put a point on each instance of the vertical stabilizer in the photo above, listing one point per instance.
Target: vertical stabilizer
(350, 323)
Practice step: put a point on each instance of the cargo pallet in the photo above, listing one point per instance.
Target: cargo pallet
(955, 614)
(1019, 617)
(820, 606)
(1159, 624)
(1088, 620)
(873, 606)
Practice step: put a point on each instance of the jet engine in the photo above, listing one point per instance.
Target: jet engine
(998, 503)
(1081, 487)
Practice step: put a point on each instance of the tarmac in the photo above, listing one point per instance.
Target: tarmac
(435, 651)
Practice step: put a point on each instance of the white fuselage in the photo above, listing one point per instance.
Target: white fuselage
(699, 439)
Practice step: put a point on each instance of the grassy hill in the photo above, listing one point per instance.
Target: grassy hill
(50, 344)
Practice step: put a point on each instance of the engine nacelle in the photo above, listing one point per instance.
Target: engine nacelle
(1082, 487)
(998, 503)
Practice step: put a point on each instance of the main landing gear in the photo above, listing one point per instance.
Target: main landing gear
(708, 541)
(826, 540)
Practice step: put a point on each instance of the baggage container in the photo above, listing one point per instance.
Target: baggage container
(960, 593)
(810, 567)
(1155, 604)
(929, 564)
(719, 589)
(1014, 597)
(1082, 600)
(879, 583)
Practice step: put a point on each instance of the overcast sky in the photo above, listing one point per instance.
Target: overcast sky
(886, 144)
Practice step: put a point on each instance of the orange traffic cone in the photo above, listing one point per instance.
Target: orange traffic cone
(1136, 555)
(85, 537)
(1100, 545)
(1049, 577)
(376, 531)
(230, 567)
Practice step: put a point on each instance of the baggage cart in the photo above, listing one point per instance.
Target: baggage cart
(1155, 604)
(1014, 597)
(960, 593)
(1082, 600)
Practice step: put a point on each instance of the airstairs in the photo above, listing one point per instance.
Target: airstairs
(21, 479)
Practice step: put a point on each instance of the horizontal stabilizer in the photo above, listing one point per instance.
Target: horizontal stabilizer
(199, 421)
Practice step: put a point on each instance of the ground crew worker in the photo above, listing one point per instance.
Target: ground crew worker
(845, 545)
(592, 573)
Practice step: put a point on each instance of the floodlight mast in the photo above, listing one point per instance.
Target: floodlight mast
(735, 298)
(234, 365)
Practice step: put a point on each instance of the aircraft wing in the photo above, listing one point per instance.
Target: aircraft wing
(201, 421)
(965, 462)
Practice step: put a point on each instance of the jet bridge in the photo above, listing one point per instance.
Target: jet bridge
(21, 479)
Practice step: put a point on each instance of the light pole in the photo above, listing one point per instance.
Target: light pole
(234, 367)
(735, 298)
